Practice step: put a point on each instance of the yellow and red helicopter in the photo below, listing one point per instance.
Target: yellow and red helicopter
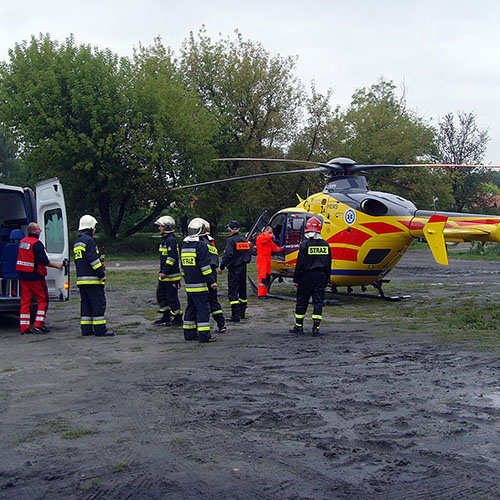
(368, 231)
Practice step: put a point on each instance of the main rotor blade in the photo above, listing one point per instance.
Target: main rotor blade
(356, 168)
(329, 166)
(252, 176)
(389, 181)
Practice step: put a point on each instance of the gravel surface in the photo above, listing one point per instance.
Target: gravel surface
(380, 406)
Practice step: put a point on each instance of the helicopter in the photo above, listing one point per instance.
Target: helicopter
(368, 231)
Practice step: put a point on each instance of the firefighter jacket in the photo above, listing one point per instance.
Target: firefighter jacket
(314, 255)
(212, 250)
(196, 268)
(236, 253)
(89, 268)
(169, 258)
(32, 260)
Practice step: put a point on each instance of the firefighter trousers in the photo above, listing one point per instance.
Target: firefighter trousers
(214, 304)
(196, 323)
(311, 284)
(167, 296)
(237, 284)
(92, 309)
(33, 290)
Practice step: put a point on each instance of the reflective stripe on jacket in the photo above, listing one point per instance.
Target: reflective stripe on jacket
(26, 259)
(89, 269)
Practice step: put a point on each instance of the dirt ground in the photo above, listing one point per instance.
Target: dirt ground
(382, 406)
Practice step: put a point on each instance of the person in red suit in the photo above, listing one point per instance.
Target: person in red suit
(31, 266)
(265, 247)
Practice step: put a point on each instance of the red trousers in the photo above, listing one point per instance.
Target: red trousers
(33, 290)
(264, 274)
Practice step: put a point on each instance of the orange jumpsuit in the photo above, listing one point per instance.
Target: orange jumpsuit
(265, 247)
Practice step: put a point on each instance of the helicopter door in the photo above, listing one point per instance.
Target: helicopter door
(258, 226)
(51, 212)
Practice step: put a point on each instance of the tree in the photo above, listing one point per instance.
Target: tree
(117, 132)
(171, 133)
(12, 171)
(255, 100)
(377, 127)
(462, 143)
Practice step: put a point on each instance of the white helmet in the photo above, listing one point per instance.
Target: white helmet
(168, 222)
(204, 223)
(197, 227)
(87, 222)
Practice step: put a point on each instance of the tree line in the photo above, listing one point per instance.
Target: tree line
(120, 132)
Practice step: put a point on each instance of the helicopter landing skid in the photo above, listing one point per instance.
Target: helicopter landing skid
(378, 286)
(253, 286)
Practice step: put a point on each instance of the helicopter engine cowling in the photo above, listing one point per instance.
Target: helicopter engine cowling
(373, 207)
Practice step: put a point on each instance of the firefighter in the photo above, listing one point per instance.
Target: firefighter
(312, 274)
(265, 247)
(31, 266)
(236, 257)
(169, 279)
(90, 279)
(213, 301)
(197, 272)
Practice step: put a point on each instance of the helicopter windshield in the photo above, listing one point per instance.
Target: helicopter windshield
(345, 183)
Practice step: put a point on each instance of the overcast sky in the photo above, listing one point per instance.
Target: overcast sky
(444, 53)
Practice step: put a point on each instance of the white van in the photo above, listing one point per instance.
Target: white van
(18, 207)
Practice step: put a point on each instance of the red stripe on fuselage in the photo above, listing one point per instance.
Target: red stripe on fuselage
(382, 227)
(476, 221)
(340, 253)
(350, 236)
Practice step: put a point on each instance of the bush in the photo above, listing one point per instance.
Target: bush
(143, 244)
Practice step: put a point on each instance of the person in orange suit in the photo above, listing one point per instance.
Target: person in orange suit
(265, 247)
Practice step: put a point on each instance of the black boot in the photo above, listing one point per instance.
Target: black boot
(221, 323)
(297, 329)
(164, 320)
(315, 327)
(176, 319)
(235, 313)
(243, 308)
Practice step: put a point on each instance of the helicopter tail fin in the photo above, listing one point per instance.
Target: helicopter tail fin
(434, 234)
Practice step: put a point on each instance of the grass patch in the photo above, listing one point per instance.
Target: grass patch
(134, 278)
(119, 467)
(78, 433)
(49, 427)
(137, 349)
(8, 369)
(92, 483)
(108, 362)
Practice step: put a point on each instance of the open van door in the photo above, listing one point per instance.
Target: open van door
(51, 214)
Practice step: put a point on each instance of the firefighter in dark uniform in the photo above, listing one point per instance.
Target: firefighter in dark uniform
(213, 301)
(311, 276)
(90, 279)
(169, 280)
(236, 257)
(197, 272)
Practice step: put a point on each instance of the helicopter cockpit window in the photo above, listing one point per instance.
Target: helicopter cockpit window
(297, 223)
(278, 225)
